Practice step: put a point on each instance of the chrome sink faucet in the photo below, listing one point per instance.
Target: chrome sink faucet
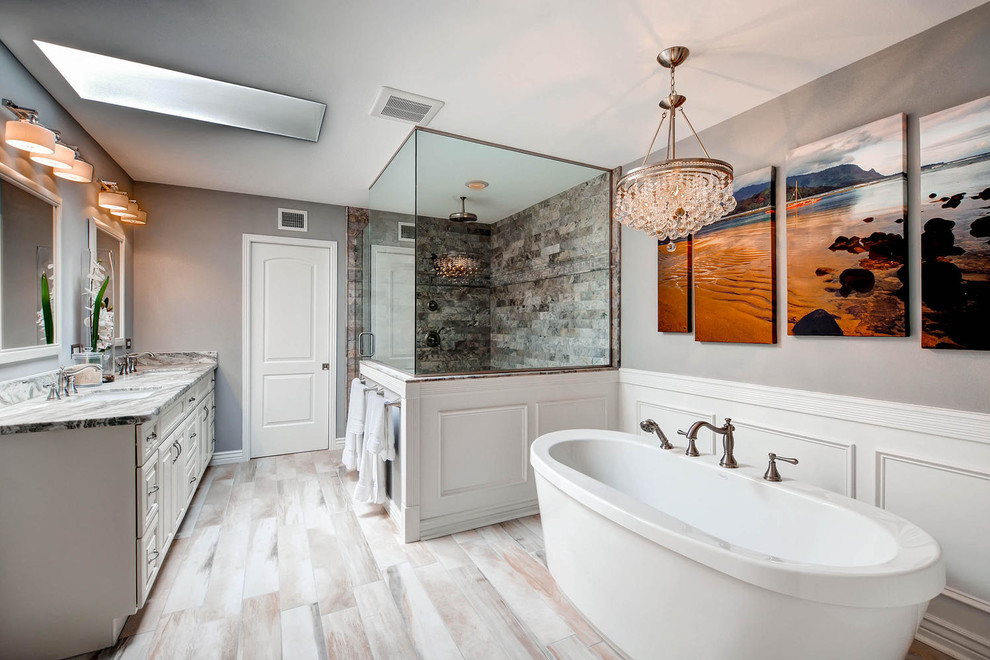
(651, 426)
(65, 380)
(128, 363)
(728, 441)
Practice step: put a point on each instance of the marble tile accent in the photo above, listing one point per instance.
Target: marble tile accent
(357, 221)
(483, 594)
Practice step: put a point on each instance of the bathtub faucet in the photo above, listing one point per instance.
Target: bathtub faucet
(651, 426)
(728, 442)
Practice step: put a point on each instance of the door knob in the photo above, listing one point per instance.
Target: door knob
(326, 366)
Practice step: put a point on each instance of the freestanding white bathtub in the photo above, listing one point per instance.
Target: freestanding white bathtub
(673, 557)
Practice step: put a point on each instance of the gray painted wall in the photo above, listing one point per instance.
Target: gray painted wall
(78, 203)
(188, 281)
(940, 68)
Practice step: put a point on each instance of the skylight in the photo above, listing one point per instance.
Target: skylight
(130, 84)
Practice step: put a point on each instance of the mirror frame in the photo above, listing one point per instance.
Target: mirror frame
(98, 225)
(11, 355)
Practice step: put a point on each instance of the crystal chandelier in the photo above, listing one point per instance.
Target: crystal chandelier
(456, 265)
(678, 196)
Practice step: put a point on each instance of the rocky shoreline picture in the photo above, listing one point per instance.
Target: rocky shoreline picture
(674, 285)
(734, 265)
(955, 217)
(846, 245)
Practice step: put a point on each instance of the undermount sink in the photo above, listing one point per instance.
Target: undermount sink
(120, 395)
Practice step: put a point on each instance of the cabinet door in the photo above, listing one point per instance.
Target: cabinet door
(205, 443)
(167, 457)
(191, 456)
(211, 430)
(179, 489)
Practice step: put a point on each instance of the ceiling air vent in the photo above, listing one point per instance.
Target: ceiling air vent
(403, 106)
(293, 220)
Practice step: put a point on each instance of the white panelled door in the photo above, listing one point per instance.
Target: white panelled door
(290, 306)
(393, 304)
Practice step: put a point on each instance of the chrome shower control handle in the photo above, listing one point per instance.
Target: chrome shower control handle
(771, 474)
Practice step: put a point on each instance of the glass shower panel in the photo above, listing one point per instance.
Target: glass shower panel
(527, 284)
(389, 241)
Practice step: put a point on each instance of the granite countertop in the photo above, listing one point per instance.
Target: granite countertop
(131, 399)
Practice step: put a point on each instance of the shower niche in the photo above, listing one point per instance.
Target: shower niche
(479, 258)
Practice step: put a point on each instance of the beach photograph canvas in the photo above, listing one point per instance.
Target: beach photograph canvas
(955, 220)
(846, 244)
(734, 267)
(674, 285)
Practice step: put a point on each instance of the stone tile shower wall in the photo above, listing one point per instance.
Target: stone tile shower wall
(463, 315)
(550, 282)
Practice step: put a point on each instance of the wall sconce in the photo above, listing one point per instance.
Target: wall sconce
(60, 160)
(80, 171)
(110, 198)
(26, 133)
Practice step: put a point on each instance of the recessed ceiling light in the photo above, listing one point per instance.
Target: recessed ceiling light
(477, 184)
(130, 84)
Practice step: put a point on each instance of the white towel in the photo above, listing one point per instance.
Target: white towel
(354, 433)
(371, 462)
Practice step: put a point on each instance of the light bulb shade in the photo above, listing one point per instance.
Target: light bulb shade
(60, 160)
(81, 172)
(112, 200)
(30, 137)
(140, 218)
(675, 198)
(128, 213)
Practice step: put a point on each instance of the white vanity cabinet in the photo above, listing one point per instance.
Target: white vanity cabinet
(90, 506)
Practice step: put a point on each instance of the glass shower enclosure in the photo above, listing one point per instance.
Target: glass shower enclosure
(479, 258)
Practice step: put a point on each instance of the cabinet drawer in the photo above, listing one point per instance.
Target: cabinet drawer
(148, 438)
(150, 494)
(170, 417)
(196, 396)
(149, 560)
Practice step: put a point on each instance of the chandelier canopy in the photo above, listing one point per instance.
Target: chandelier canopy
(677, 196)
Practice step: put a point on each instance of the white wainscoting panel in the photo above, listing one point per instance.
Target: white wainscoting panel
(928, 465)
(953, 505)
(672, 419)
(482, 448)
(828, 464)
(571, 414)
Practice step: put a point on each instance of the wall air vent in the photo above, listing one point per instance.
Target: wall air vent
(407, 232)
(293, 220)
(403, 106)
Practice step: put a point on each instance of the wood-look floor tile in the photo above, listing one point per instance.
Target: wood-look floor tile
(345, 638)
(302, 634)
(289, 509)
(261, 629)
(448, 552)
(466, 626)
(571, 648)
(513, 635)
(527, 603)
(189, 588)
(266, 467)
(534, 523)
(136, 647)
(225, 591)
(296, 583)
(305, 467)
(316, 513)
(261, 569)
(244, 472)
(265, 498)
(523, 535)
(426, 627)
(333, 585)
(218, 639)
(215, 502)
(238, 513)
(361, 567)
(333, 492)
(285, 467)
(538, 577)
(383, 625)
(175, 636)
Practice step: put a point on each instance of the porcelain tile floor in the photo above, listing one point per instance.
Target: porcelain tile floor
(274, 560)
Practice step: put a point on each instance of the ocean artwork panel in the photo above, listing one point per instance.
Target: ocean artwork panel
(955, 220)
(846, 208)
(674, 285)
(734, 267)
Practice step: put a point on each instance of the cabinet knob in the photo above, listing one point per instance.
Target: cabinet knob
(152, 437)
(192, 435)
(192, 479)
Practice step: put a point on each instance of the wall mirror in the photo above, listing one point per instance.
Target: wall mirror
(108, 243)
(30, 286)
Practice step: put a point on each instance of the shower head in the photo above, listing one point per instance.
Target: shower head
(462, 215)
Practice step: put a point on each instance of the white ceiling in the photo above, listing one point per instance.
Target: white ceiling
(571, 78)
